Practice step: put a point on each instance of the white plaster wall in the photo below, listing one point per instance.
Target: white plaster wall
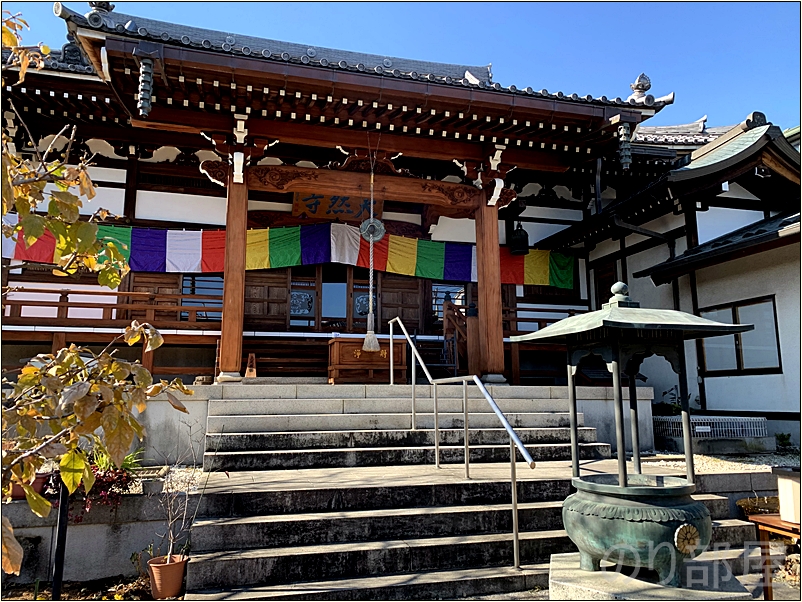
(718, 221)
(772, 272)
(455, 230)
(169, 206)
(112, 199)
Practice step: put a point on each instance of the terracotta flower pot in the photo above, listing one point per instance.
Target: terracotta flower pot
(18, 493)
(166, 578)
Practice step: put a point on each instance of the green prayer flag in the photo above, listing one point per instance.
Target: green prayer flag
(285, 247)
(561, 270)
(119, 235)
(431, 259)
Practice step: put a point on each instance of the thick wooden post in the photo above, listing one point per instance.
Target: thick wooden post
(489, 276)
(234, 282)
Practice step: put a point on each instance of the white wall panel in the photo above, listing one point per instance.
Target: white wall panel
(718, 221)
(169, 206)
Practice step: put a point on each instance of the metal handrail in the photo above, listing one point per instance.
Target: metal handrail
(515, 441)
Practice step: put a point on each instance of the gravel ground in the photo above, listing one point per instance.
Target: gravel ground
(721, 464)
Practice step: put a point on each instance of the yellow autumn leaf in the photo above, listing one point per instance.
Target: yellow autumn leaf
(12, 550)
(9, 39)
(89, 478)
(44, 49)
(71, 468)
(39, 505)
(175, 403)
(118, 441)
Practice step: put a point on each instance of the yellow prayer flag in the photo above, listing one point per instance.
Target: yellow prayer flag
(536, 267)
(257, 252)
(402, 254)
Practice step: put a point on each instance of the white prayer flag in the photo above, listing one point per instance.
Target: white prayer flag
(344, 244)
(184, 251)
(474, 269)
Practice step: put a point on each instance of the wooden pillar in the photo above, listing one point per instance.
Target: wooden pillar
(489, 285)
(59, 342)
(131, 179)
(234, 281)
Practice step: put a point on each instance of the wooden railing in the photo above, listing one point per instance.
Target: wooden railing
(454, 319)
(166, 310)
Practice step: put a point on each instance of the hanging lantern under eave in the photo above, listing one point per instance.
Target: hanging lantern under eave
(519, 241)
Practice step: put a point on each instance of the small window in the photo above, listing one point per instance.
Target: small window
(753, 352)
(207, 292)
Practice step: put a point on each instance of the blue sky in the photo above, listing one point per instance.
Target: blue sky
(722, 59)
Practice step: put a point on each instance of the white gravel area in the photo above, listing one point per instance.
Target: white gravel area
(720, 464)
(184, 479)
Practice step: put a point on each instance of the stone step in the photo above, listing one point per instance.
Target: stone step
(323, 497)
(428, 585)
(214, 534)
(389, 456)
(378, 405)
(260, 423)
(733, 532)
(209, 535)
(363, 559)
(368, 558)
(395, 438)
(739, 560)
(319, 391)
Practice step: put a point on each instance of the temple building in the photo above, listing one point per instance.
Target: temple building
(240, 170)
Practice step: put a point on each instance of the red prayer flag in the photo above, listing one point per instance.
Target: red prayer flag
(213, 251)
(379, 254)
(512, 267)
(41, 251)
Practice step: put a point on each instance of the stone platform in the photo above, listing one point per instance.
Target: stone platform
(703, 579)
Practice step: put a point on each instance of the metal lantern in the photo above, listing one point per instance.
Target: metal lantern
(519, 241)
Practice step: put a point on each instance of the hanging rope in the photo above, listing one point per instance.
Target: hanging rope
(371, 343)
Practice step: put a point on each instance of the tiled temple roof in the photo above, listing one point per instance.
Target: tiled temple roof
(103, 18)
(688, 134)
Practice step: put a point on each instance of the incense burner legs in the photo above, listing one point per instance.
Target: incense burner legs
(653, 523)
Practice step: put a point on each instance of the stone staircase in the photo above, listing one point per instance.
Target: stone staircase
(266, 427)
(386, 542)
(361, 517)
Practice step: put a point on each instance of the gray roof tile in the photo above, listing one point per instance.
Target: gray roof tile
(267, 49)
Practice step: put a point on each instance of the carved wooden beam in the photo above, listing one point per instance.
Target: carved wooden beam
(216, 171)
(324, 181)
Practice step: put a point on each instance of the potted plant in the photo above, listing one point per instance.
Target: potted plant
(167, 571)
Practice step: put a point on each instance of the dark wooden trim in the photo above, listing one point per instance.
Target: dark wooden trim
(638, 247)
(718, 256)
(624, 275)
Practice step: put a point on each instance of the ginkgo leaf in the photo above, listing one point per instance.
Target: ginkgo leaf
(175, 403)
(12, 550)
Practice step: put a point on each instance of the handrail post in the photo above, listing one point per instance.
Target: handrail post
(514, 486)
(467, 445)
(392, 379)
(414, 378)
(436, 429)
